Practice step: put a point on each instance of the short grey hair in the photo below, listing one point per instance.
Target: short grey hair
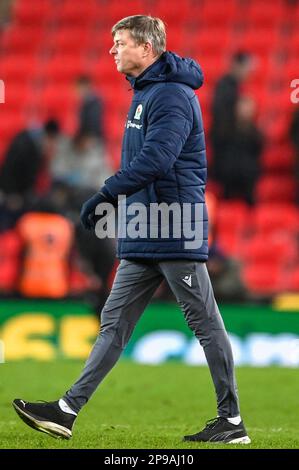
(144, 29)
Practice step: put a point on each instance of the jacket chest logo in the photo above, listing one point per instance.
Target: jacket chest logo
(138, 112)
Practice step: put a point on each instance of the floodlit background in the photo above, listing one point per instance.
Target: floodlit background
(63, 108)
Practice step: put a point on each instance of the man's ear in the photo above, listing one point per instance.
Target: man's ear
(147, 49)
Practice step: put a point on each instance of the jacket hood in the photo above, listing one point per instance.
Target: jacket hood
(170, 68)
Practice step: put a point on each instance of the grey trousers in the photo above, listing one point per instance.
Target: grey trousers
(133, 287)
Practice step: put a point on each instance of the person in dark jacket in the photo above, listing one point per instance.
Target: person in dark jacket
(227, 92)
(90, 109)
(226, 96)
(24, 166)
(163, 161)
(239, 166)
(24, 158)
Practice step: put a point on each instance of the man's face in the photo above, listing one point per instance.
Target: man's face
(128, 56)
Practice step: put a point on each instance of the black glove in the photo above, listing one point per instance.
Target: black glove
(87, 215)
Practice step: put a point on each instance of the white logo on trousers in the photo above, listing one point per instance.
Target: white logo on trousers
(187, 279)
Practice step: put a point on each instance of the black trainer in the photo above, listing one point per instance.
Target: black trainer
(221, 430)
(46, 417)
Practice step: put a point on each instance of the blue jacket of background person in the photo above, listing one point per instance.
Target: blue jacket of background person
(163, 160)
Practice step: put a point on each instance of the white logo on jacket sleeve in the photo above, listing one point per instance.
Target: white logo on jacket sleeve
(138, 112)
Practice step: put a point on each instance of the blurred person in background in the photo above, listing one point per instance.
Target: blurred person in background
(225, 273)
(163, 159)
(237, 165)
(90, 109)
(25, 156)
(227, 93)
(78, 169)
(80, 164)
(224, 106)
(24, 172)
(5, 9)
(51, 265)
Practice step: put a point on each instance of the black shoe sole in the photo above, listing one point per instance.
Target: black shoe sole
(54, 430)
(239, 440)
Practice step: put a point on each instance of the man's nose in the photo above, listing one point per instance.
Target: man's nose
(112, 50)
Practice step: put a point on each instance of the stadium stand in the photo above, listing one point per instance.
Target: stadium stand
(48, 43)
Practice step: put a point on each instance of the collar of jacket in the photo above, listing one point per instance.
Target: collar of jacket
(151, 71)
(170, 68)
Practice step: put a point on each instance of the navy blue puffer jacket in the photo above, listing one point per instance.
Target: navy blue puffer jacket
(163, 160)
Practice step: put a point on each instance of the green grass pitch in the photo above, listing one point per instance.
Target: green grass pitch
(150, 407)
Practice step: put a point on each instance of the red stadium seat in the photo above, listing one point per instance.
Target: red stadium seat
(114, 10)
(295, 11)
(276, 189)
(217, 12)
(114, 152)
(278, 158)
(10, 251)
(13, 123)
(232, 216)
(276, 128)
(279, 218)
(56, 100)
(31, 12)
(295, 40)
(276, 108)
(207, 40)
(2, 149)
(291, 68)
(114, 125)
(264, 279)
(174, 16)
(258, 13)
(18, 69)
(79, 13)
(232, 224)
(259, 40)
(282, 250)
(101, 42)
(116, 101)
(213, 67)
(230, 243)
(17, 96)
(204, 97)
(65, 68)
(68, 40)
(176, 40)
(22, 40)
(293, 283)
(104, 71)
(256, 83)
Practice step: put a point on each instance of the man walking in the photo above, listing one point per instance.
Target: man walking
(163, 161)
